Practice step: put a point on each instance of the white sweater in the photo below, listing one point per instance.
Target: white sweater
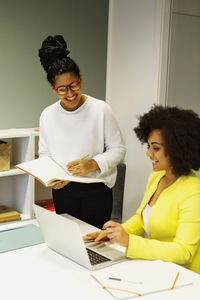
(91, 129)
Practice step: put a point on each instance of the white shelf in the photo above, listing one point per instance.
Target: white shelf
(15, 132)
(11, 172)
(13, 224)
(18, 189)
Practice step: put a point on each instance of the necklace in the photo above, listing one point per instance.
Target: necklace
(169, 182)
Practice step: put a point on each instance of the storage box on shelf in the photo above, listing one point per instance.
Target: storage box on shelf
(19, 190)
(46, 203)
(4, 156)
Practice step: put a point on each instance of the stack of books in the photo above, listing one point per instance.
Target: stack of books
(8, 214)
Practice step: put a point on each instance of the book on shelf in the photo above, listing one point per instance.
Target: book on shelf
(8, 214)
(49, 173)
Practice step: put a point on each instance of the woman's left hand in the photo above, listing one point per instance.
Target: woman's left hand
(116, 233)
(60, 185)
(82, 167)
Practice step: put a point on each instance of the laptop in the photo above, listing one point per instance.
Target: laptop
(63, 235)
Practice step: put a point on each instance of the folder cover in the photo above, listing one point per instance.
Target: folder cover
(20, 237)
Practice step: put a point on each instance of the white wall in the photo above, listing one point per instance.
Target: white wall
(184, 60)
(136, 37)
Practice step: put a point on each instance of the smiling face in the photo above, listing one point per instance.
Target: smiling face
(156, 152)
(72, 99)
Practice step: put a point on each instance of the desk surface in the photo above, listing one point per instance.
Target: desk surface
(37, 272)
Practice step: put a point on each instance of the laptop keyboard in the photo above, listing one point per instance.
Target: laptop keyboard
(96, 258)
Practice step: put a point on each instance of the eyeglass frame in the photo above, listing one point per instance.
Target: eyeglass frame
(67, 87)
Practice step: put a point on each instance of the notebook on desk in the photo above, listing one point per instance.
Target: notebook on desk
(63, 235)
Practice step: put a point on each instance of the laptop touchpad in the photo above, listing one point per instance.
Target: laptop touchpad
(104, 248)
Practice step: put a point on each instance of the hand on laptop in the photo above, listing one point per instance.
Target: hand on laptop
(112, 231)
(116, 233)
(97, 236)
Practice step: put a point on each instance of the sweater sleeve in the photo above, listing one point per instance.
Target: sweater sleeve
(114, 145)
(43, 145)
(182, 248)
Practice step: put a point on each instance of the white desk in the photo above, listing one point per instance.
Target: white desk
(39, 273)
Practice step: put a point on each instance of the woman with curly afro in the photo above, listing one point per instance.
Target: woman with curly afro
(166, 225)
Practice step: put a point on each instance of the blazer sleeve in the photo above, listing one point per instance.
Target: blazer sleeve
(184, 245)
(135, 224)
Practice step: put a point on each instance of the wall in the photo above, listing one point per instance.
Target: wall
(136, 37)
(184, 60)
(23, 26)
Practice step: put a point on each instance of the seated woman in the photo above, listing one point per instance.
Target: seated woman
(166, 226)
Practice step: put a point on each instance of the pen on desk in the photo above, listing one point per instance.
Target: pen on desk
(120, 279)
(84, 156)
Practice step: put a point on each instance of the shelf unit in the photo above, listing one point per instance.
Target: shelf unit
(18, 189)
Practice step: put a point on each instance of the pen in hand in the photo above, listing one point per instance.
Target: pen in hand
(84, 156)
(120, 279)
(81, 166)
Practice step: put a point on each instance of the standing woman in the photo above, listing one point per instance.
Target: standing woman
(72, 127)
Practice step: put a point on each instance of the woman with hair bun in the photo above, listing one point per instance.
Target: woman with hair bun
(72, 127)
(166, 225)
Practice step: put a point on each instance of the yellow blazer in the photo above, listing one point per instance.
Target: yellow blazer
(174, 223)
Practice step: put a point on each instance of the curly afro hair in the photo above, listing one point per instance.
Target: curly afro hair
(181, 132)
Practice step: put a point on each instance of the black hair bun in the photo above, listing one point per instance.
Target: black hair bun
(53, 47)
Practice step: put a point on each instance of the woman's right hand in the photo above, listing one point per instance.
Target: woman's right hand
(60, 185)
(97, 236)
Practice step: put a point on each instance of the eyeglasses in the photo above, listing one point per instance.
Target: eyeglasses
(74, 86)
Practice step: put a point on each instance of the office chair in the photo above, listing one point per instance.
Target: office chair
(118, 193)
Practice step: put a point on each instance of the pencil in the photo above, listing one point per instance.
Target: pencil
(122, 290)
(175, 281)
(84, 156)
(109, 292)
